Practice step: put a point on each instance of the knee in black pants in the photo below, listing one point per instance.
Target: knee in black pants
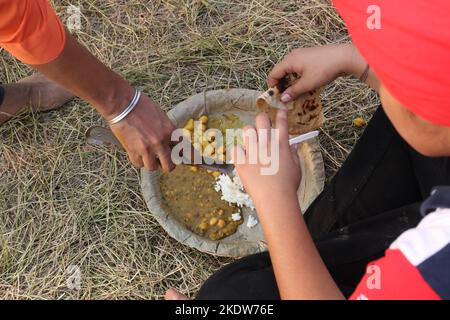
(250, 278)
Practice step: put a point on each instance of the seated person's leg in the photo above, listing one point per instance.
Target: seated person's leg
(345, 252)
(251, 277)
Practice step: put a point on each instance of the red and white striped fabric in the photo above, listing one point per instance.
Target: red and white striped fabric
(416, 265)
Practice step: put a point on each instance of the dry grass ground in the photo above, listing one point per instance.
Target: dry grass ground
(65, 203)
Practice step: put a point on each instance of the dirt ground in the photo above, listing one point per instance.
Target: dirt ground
(64, 203)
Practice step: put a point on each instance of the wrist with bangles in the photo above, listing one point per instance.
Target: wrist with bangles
(127, 110)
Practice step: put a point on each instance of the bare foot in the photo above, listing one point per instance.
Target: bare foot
(35, 92)
(172, 294)
(45, 94)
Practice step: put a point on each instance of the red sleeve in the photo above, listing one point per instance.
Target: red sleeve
(393, 277)
(31, 31)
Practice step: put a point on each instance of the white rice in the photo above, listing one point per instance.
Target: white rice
(236, 216)
(233, 191)
(252, 221)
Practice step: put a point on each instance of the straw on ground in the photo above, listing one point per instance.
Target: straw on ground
(64, 203)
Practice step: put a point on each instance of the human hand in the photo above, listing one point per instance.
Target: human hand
(146, 136)
(317, 66)
(282, 182)
(145, 133)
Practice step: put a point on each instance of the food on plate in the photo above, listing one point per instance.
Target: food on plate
(190, 191)
(304, 113)
(252, 221)
(232, 190)
(207, 142)
(236, 216)
(190, 197)
(189, 125)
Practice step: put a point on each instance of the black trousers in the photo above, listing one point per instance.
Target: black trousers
(371, 200)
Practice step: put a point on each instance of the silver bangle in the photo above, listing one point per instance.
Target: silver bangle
(128, 109)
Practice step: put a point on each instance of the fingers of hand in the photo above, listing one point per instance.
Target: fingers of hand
(263, 127)
(294, 153)
(249, 135)
(300, 87)
(278, 72)
(165, 159)
(238, 155)
(135, 159)
(290, 64)
(282, 125)
(150, 161)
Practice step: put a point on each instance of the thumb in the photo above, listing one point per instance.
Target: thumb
(297, 89)
(237, 156)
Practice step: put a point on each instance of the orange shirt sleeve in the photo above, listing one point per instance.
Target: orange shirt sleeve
(31, 31)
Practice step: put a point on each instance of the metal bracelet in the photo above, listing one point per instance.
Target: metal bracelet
(128, 109)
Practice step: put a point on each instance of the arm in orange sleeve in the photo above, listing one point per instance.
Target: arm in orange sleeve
(31, 31)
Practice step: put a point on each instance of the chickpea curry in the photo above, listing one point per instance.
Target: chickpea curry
(190, 197)
(189, 192)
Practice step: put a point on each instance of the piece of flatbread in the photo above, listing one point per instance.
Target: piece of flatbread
(304, 114)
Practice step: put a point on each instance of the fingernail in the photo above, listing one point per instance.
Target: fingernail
(285, 97)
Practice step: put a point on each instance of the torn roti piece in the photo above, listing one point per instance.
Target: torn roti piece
(304, 113)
